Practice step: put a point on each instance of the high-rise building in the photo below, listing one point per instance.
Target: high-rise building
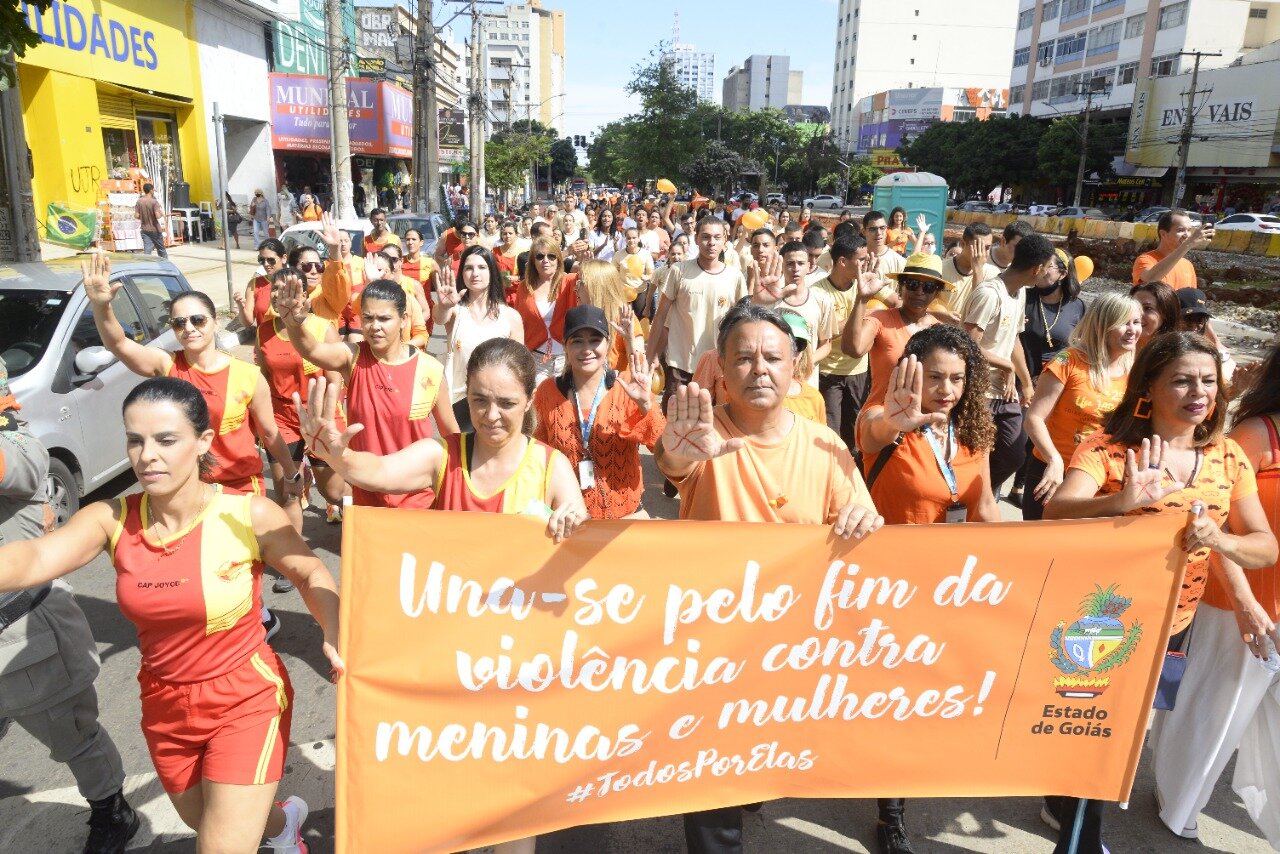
(523, 59)
(762, 81)
(924, 43)
(693, 69)
(1062, 47)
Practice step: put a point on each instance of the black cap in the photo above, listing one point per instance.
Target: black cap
(1193, 301)
(585, 317)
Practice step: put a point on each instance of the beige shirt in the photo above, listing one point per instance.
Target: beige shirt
(818, 311)
(963, 285)
(843, 302)
(1000, 317)
(698, 301)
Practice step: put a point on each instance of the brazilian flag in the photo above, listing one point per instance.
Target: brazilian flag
(69, 226)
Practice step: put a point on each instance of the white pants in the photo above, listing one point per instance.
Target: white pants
(1227, 700)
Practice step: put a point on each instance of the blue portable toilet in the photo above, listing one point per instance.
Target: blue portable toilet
(917, 192)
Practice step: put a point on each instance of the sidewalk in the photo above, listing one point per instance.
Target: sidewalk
(203, 264)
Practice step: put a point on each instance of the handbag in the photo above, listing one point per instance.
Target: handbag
(1172, 669)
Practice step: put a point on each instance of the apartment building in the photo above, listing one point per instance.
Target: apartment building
(524, 58)
(762, 81)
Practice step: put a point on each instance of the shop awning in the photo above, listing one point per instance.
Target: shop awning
(144, 94)
(1125, 169)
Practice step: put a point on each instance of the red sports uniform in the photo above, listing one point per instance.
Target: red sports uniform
(227, 392)
(530, 483)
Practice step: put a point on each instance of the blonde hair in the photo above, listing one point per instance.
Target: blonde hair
(804, 364)
(606, 289)
(544, 244)
(1089, 338)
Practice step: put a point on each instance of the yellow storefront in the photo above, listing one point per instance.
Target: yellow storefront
(114, 86)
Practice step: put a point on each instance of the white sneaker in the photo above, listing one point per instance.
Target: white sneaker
(290, 839)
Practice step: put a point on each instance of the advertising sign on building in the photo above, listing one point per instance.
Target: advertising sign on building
(299, 48)
(452, 124)
(380, 115)
(1235, 125)
(913, 103)
(377, 31)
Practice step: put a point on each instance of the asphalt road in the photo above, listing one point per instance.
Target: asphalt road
(40, 809)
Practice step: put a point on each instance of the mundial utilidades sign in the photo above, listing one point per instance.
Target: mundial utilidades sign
(379, 115)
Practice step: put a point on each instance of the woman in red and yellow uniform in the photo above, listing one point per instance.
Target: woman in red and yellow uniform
(542, 301)
(393, 388)
(1162, 451)
(286, 373)
(420, 269)
(253, 303)
(216, 700)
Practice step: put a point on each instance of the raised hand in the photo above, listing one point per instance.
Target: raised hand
(319, 423)
(638, 382)
(1145, 480)
(626, 325)
(375, 267)
(96, 269)
(902, 403)
(691, 434)
(869, 284)
(447, 294)
(922, 225)
(768, 285)
(330, 234)
(1200, 236)
(293, 305)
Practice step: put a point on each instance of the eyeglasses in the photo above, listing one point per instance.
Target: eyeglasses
(268, 261)
(920, 285)
(468, 235)
(197, 320)
(311, 266)
(545, 256)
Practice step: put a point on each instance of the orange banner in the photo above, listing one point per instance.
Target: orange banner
(500, 686)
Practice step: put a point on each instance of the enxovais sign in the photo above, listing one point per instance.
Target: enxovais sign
(531, 687)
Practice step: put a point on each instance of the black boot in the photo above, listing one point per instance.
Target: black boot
(111, 825)
(892, 837)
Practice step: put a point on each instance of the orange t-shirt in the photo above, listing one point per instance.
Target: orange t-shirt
(808, 403)
(1265, 583)
(1224, 476)
(1183, 274)
(1081, 408)
(807, 477)
(892, 335)
(896, 239)
(911, 489)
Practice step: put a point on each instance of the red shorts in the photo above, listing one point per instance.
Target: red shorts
(233, 728)
(251, 485)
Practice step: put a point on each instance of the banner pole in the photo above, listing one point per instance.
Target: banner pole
(1076, 827)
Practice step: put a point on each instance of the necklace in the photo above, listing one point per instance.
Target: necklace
(1048, 327)
(170, 549)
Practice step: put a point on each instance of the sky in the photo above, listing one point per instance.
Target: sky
(604, 41)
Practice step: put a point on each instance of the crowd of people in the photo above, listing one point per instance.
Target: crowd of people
(794, 372)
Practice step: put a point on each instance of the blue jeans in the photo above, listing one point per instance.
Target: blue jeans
(153, 239)
(261, 231)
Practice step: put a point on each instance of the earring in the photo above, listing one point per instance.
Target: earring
(1143, 408)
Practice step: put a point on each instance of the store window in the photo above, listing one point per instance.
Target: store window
(121, 148)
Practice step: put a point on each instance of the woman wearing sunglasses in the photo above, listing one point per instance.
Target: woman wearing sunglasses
(237, 394)
(256, 298)
(885, 333)
(542, 302)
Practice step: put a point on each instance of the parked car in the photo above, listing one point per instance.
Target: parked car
(1042, 210)
(1008, 207)
(430, 227)
(775, 198)
(308, 234)
(1261, 223)
(976, 207)
(824, 202)
(70, 387)
(1154, 214)
(1082, 213)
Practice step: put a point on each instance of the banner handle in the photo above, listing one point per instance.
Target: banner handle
(1076, 827)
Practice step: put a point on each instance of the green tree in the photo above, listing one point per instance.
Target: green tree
(17, 36)
(564, 160)
(667, 131)
(718, 167)
(1059, 150)
(606, 155)
(509, 155)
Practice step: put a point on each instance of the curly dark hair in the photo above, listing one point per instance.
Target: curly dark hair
(975, 429)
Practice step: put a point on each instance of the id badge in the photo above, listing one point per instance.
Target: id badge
(587, 475)
(957, 513)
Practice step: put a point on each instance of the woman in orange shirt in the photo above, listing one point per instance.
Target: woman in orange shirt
(507, 250)
(598, 417)
(421, 269)
(1077, 388)
(1162, 451)
(216, 700)
(542, 301)
(900, 234)
(1227, 699)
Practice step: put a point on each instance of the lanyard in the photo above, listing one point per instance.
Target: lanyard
(585, 425)
(943, 466)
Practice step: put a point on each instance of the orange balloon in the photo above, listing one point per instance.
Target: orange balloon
(757, 218)
(1084, 267)
(658, 382)
(665, 186)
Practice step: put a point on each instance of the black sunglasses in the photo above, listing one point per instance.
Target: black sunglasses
(310, 266)
(197, 320)
(921, 285)
(467, 235)
(545, 256)
(268, 261)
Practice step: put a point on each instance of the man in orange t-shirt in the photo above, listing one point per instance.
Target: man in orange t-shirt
(1168, 261)
(752, 461)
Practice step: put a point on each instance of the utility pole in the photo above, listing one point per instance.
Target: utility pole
(19, 235)
(1188, 122)
(219, 136)
(426, 139)
(1094, 86)
(476, 102)
(343, 205)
